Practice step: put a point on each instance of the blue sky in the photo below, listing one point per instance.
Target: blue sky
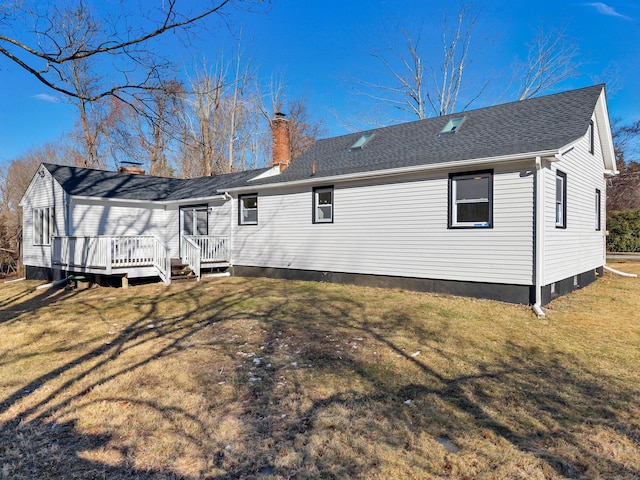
(322, 49)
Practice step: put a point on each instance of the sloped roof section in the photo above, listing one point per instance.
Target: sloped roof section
(534, 125)
(87, 182)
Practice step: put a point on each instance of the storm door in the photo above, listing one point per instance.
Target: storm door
(193, 221)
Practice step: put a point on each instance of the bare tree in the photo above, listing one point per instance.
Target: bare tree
(624, 190)
(122, 39)
(15, 177)
(424, 82)
(304, 130)
(202, 119)
(447, 80)
(552, 59)
(149, 140)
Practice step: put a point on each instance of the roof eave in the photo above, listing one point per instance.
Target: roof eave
(391, 172)
(147, 202)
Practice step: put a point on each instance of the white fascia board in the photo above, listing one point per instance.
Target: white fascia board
(604, 130)
(392, 172)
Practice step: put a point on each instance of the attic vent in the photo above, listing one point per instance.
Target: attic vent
(452, 125)
(362, 141)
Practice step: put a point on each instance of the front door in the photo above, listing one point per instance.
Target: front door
(193, 221)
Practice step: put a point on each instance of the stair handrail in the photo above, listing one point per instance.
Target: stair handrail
(191, 255)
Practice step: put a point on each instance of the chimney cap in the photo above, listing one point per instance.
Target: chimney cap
(280, 115)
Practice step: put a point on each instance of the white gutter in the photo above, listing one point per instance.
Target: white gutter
(538, 247)
(399, 171)
(147, 202)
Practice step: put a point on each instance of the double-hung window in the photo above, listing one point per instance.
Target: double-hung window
(561, 200)
(471, 200)
(44, 225)
(248, 209)
(323, 205)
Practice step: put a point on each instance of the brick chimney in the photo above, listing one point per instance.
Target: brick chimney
(134, 168)
(131, 169)
(281, 153)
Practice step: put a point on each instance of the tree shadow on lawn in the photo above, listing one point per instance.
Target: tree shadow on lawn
(556, 417)
(522, 406)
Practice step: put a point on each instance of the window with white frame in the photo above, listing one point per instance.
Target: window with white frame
(598, 210)
(471, 200)
(44, 225)
(561, 199)
(248, 209)
(323, 205)
(592, 145)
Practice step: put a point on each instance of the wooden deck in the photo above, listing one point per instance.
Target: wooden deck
(137, 256)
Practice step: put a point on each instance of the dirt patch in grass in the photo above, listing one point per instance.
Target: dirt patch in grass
(256, 378)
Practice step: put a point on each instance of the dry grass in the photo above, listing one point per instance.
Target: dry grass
(254, 378)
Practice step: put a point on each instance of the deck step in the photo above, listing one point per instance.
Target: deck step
(181, 271)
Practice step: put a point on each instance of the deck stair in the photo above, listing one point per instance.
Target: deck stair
(181, 271)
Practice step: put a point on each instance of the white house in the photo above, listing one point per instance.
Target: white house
(505, 202)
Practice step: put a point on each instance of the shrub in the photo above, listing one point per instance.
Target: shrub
(624, 231)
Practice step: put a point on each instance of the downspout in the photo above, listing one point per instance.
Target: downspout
(618, 272)
(230, 198)
(539, 238)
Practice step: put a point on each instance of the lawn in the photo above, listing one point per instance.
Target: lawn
(259, 378)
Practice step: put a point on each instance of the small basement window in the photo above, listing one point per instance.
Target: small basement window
(452, 125)
(362, 141)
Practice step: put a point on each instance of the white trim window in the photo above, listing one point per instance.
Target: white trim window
(323, 205)
(471, 200)
(248, 211)
(44, 225)
(561, 199)
(598, 210)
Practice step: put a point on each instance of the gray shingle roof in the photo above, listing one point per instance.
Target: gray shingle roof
(533, 125)
(87, 182)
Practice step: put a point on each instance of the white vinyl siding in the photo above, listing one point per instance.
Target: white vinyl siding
(44, 194)
(89, 218)
(579, 247)
(406, 235)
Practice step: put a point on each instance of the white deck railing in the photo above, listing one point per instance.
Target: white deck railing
(213, 248)
(106, 253)
(191, 255)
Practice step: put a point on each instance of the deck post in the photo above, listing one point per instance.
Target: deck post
(125, 282)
